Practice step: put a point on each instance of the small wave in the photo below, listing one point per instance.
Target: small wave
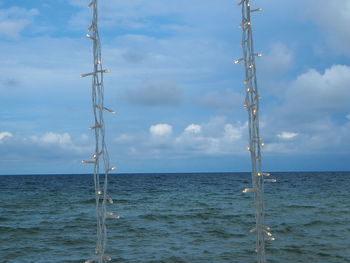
(220, 233)
(300, 206)
(87, 201)
(286, 229)
(155, 217)
(4, 219)
(322, 254)
(20, 230)
(314, 223)
(294, 249)
(172, 259)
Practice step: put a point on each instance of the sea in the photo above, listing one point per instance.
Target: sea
(175, 218)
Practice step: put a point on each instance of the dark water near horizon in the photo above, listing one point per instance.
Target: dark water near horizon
(175, 218)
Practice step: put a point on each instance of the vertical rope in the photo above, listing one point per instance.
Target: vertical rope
(255, 144)
(100, 158)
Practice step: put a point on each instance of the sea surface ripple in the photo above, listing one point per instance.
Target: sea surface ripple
(175, 218)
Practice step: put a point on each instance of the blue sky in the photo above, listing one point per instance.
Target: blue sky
(178, 95)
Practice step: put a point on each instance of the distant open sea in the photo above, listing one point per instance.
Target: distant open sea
(175, 218)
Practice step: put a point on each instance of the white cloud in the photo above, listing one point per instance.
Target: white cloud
(4, 135)
(334, 18)
(287, 135)
(194, 140)
(308, 118)
(54, 138)
(348, 117)
(314, 92)
(161, 130)
(60, 141)
(193, 128)
(46, 148)
(232, 133)
(14, 20)
(319, 136)
(278, 60)
(202, 140)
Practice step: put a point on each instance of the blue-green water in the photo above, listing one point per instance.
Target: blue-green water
(173, 218)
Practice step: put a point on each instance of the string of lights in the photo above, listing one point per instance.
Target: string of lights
(100, 158)
(255, 144)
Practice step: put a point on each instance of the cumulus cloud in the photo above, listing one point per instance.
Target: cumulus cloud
(43, 152)
(278, 60)
(193, 128)
(161, 130)
(313, 91)
(309, 117)
(60, 145)
(201, 139)
(4, 135)
(193, 140)
(232, 133)
(155, 93)
(319, 136)
(334, 18)
(14, 20)
(61, 141)
(287, 135)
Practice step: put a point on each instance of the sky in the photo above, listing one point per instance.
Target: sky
(177, 93)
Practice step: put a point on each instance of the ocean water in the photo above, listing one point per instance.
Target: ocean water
(175, 218)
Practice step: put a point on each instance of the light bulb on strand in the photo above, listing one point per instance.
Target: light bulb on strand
(110, 200)
(111, 215)
(107, 258)
(270, 180)
(90, 37)
(96, 155)
(112, 169)
(247, 190)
